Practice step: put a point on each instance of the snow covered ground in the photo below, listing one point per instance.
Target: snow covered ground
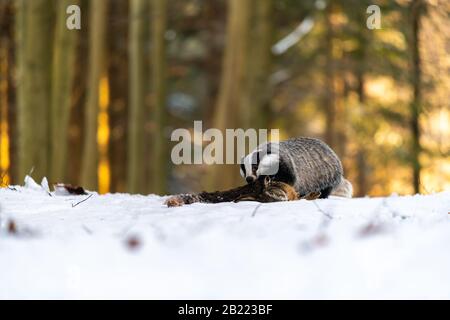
(123, 246)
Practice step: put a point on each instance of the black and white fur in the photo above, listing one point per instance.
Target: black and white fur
(307, 164)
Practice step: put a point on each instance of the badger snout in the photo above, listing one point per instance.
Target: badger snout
(249, 179)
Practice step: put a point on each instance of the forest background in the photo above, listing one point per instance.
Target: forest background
(96, 106)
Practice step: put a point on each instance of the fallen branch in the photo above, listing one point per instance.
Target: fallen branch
(261, 190)
(74, 205)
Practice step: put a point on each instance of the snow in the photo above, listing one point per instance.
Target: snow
(120, 246)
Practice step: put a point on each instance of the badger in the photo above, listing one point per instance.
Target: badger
(307, 164)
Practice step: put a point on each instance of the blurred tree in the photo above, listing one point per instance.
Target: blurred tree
(118, 69)
(330, 78)
(357, 64)
(417, 8)
(77, 111)
(135, 161)
(230, 109)
(97, 16)
(4, 106)
(34, 40)
(361, 161)
(367, 92)
(159, 161)
(63, 71)
(261, 40)
(7, 89)
(213, 14)
(12, 96)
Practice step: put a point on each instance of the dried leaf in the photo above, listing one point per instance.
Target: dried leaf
(12, 227)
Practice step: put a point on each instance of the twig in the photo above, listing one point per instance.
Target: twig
(320, 238)
(326, 214)
(88, 231)
(256, 209)
(74, 205)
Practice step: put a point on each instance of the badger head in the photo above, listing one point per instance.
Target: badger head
(263, 161)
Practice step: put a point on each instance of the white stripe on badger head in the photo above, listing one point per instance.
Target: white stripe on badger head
(248, 164)
(268, 165)
(241, 167)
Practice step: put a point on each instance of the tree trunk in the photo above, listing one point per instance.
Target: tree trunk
(416, 12)
(34, 76)
(96, 66)
(158, 172)
(76, 118)
(214, 14)
(119, 84)
(11, 22)
(4, 106)
(19, 35)
(330, 93)
(260, 64)
(5, 66)
(361, 160)
(64, 54)
(138, 15)
(230, 109)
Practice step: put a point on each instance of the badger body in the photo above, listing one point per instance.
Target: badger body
(307, 164)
